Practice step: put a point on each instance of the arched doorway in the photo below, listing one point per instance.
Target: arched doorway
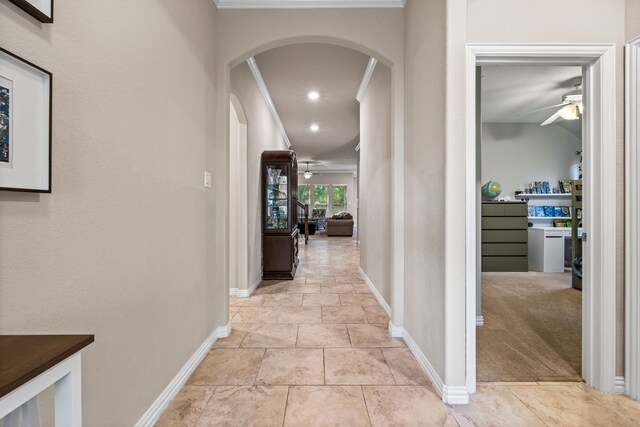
(387, 53)
(238, 269)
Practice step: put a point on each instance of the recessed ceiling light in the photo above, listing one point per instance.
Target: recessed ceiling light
(314, 128)
(314, 95)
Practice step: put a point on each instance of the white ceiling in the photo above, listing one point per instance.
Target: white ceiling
(307, 4)
(509, 92)
(290, 72)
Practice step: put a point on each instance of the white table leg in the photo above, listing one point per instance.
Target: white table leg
(68, 396)
(30, 415)
(13, 418)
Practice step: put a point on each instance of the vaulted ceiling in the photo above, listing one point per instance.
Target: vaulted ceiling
(335, 72)
(511, 92)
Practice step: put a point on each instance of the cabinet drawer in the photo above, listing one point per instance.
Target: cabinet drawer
(492, 209)
(515, 209)
(504, 263)
(505, 223)
(504, 236)
(505, 249)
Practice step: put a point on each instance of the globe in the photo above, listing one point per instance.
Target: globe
(491, 189)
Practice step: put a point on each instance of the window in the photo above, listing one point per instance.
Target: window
(304, 196)
(320, 200)
(339, 198)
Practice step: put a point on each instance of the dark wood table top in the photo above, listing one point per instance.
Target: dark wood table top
(24, 357)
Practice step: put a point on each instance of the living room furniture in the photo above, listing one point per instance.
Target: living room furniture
(29, 364)
(319, 216)
(312, 227)
(504, 236)
(339, 227)
(279, 215)
(576, 239)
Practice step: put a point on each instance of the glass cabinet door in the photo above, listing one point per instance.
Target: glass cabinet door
(277, 203)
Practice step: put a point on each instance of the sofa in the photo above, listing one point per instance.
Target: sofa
(340, 224)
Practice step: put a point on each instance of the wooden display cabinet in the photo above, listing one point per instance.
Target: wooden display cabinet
(279, 215)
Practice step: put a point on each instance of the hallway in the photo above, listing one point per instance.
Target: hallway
(315, 352)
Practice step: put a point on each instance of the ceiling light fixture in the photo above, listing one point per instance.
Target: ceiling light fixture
(307, 173)
(314, 128)
(569, 112)
(314, 95)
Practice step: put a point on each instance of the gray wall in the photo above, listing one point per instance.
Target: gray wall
(601, 21)
(125, 247)
(424, 177)
(632, 19)
(375, 181)
(262, 135)
(515, 154)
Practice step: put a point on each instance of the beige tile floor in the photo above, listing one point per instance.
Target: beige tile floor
(315, 352)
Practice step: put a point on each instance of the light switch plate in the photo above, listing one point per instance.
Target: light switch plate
(207, 179)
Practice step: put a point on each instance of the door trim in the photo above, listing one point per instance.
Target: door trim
(632, 217)
(599, 141)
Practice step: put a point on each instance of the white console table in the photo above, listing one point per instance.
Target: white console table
(31, 363)
(546, 248)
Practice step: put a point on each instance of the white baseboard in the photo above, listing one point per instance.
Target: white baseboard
(619, 386)
(375, 291)
(246, 293)
(479, 320)
(424, 363)
(455, 395)
(396, 331)
(450, 394)
(171, 390)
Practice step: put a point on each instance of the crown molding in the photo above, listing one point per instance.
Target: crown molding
(309, 4)
(368, 72)
(267, 97)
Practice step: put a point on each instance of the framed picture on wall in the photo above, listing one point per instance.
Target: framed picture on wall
(25, 125)
(42, 10)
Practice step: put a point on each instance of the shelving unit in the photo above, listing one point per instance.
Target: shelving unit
(542, 196)
(568, 218)
(279, 215)
(546, 199)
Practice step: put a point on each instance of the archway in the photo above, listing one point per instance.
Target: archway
(238, 241)
(393, 59)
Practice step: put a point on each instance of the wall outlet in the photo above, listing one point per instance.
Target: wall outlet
(207, 179)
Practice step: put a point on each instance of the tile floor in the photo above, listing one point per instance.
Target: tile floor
(315, 352)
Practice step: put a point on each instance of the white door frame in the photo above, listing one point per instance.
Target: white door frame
(599, 142)
(238, 201)
(632, 217)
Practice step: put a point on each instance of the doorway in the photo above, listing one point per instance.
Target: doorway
(599, 250)
(238, 238)
(530, 150)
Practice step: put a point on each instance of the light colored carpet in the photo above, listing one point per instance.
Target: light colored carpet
(533, 328)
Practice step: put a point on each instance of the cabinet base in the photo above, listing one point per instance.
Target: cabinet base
(279, 275)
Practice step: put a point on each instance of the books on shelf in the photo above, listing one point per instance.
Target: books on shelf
(543, 187)
(549, 212)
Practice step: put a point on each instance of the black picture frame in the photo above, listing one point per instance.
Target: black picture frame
(49, 118)
(32, 10)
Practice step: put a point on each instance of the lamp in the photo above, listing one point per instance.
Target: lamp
(569, 112)
(307, 173)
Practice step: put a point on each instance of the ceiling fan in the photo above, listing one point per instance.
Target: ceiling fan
(571, 107)
(307, 173)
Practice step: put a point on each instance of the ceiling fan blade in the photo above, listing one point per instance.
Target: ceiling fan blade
(551, 119)
(545, 108)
